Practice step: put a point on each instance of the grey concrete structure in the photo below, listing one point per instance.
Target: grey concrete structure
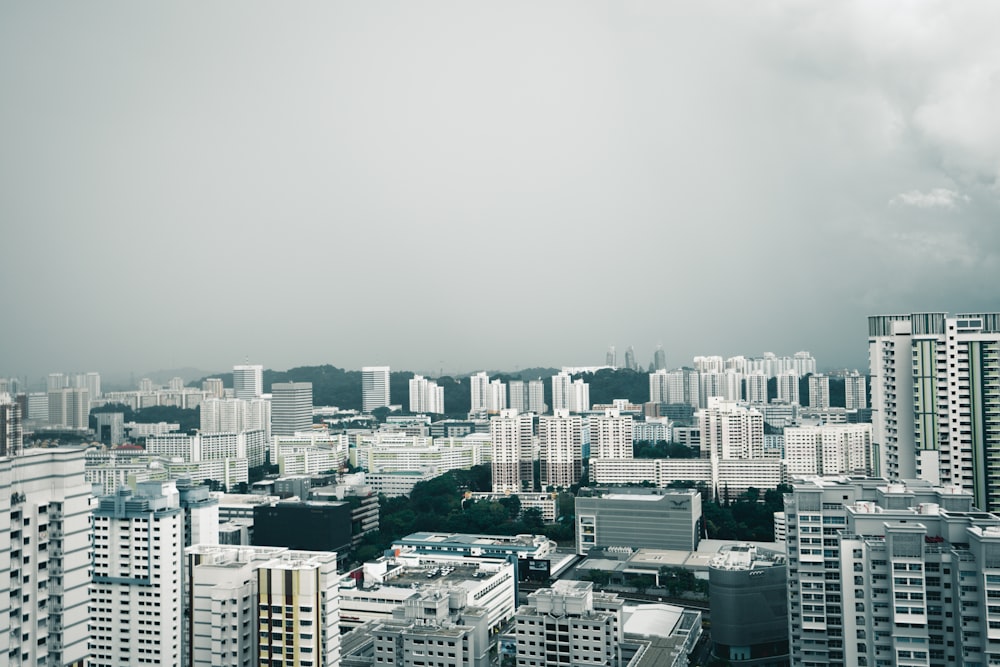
(749, 607)
(639, 518)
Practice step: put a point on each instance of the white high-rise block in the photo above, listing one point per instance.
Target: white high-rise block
(374, 388)
(45, 558)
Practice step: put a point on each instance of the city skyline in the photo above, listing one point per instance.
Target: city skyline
(725, 176)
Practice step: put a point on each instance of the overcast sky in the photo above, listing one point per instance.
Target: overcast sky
(465, 185)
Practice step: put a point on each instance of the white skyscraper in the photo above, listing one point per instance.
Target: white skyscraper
(659, 387)
(561, 440)
(479, 385)
(788, 387)
(536, 396)
(136, 599)
(611, 435)
(375, 388)
(831, 449)
(731, 431)
(45, 551)
(560, 391)
(511, 434)
(936, 399)
(248, 381)
(756, 388)
(223, 415)
(819, 391)
(69, 408)
(426, 396)
(683, 386)
(291, 407)
(855, 391)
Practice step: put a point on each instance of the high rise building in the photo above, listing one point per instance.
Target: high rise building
(684, 386)
(731, 431)
(291, 407)
(536, 396)
(479, 385)
(218, 415)
(92, 381)
(659, 359)
(803, 363)
(56, 381)
(45, 549)
(756, 388)
(69, 408)
(890, 574)
(611, 435)
(517, 396)
(819, 391)
(830, 449)
(710, 364)
(136, 599)
(561, 440)
(611, 358)
(426, 396)
(630, 362)
(569, 624)
(110, 428)
(297, 591)
(935, 395)
(11, 429)
(579, 396)
(560, 391)
(788, 387)
(513, 453)
(248, 381)
(855, 391)
(375, 388)
(659, 386)
(214, 387)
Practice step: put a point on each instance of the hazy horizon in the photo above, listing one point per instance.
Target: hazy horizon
(457, 186)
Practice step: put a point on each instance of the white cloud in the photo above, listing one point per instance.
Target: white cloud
(935, 198)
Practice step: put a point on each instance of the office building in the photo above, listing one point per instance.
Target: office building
(513, 452)
(374, 388)
(110, 428)
(44, 558)
(426, 396)
(611, 435)
(69, 408)
(291, 407)
(248, 381)
(659, 359)
(819, 391)
(638, 518)
(891, 574)
(302, 525)
(136, 593)
(935, 395)
(630, 362)
(569, 624)
(748, 597)
(561, 449)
